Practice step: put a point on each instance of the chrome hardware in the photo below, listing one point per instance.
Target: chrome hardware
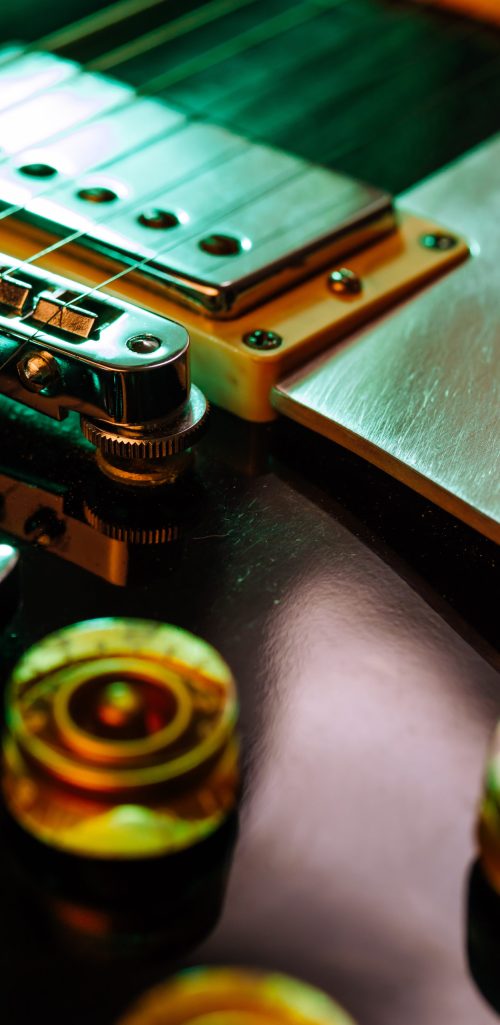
(58, 109)
(90, 145)
(124, 370)
(262, 339)
(438, 240)
(251, 221)
(53, 310)
(25, 74)
(39, 371)
(158, 219)
(243, 221)
(13, 292)
(345, 282)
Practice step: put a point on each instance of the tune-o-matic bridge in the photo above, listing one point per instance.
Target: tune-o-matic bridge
(124, 370)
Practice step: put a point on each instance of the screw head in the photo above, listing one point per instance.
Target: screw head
(159, 219)
(97, 194)
(220, 245)
(259, 338)
(344, 281)
(44, 526)
(143, 344)
(39, 371)
(38, 170)
(438, 240)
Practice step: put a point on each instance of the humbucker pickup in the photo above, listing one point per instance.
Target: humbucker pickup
(263, 257)
(215, 221)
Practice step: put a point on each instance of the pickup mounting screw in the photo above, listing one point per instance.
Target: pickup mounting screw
(262, 339)
(143, 344)
(43, 527)
(39, 371)
(345, 282)
(438, 240)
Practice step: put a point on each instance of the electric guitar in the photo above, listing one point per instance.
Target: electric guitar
(249, 387)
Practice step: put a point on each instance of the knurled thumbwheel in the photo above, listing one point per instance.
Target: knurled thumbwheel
(148, 454)
(120, 740)
(489, 816)
(232, 996)
(132, 533)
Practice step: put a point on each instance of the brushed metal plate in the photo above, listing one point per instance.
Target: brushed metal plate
(418, 393)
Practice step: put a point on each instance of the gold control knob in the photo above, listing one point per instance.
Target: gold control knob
(489, 818)
(227, 996)
(9, 583)
(120, 740)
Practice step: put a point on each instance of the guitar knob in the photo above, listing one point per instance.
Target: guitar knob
(229, 996)
(121, 740)
(489, 817)
(9, 583)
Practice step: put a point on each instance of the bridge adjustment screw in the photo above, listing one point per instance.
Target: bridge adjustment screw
(345, 282)
(39, 371)
(262, 339)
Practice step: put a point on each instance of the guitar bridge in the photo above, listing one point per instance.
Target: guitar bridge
(124, 370)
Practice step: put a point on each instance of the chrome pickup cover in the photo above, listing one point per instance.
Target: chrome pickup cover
(217, 222)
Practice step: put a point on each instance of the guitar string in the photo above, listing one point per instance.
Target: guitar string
(73, 236)
(144, 89)
(222, 51)
(212, 9)
(93, 23)
(137, 265)
(171, 30)
(180, 26)
(147, 89)
(304, 12)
